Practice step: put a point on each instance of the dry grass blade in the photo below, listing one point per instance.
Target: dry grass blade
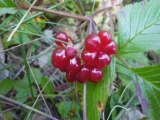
(39, 89)
(41, 92)
(20, 22)
(26, 107)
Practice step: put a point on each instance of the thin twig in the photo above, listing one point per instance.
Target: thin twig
(57, 12)
(20, 22)
(26, 107)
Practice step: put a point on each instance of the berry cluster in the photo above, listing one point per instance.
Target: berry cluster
(95, 56)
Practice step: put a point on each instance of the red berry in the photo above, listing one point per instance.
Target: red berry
(84, 73)
(96, 75)
(63, 69)
(70, 52)
(105, 37)
(110, 49)
(61, 36)
(74, 65)
(79, 78)
(103, 60)
(59, 59)
(70, 77)
(92, 43)
(89, 58)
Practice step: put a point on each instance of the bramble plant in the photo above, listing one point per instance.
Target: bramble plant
(80, 60)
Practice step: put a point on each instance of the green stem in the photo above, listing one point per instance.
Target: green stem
(25, 63)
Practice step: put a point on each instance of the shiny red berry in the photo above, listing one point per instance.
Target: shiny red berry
(79, 78)
(63, 69)
(70, 52)
(96, 75)
(111, 48)
(71, 77)
(92, 43)
(84, 74)
(105, 37)
(89, 58)
(103, 60)
(74, 65)
(59, 58)
(61, 36)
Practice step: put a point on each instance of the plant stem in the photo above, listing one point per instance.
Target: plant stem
(141, 97)
(26, 107)
(84, 102)
(122, 111)
(25, 63)
(85, 18)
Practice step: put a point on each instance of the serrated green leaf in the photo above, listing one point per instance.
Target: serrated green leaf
(154, 102)
(152, 95)
(97, 94)
(139, 27)
(150, 74)
(148, 80)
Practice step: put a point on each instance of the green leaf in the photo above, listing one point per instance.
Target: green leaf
(154, 102)
(7, 3)
(23, 90)
(69, 109)
(152, 94)
(6, 86)
(97, 94)
(150, 74)
(49, 88)
(7, 7)
(139, 27)
(7, 11)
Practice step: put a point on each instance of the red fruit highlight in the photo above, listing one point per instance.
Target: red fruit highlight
(103, 60)
(74, 65)
(84, 74)
(89, 58)
(70, 52)
(62, 36)
(111, 48)
(92, 43)
(59, 58)
(96, 75)
(105, 38)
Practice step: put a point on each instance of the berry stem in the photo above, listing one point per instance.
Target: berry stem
(84, 102)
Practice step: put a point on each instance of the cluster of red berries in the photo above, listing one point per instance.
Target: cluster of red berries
(95, 56)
